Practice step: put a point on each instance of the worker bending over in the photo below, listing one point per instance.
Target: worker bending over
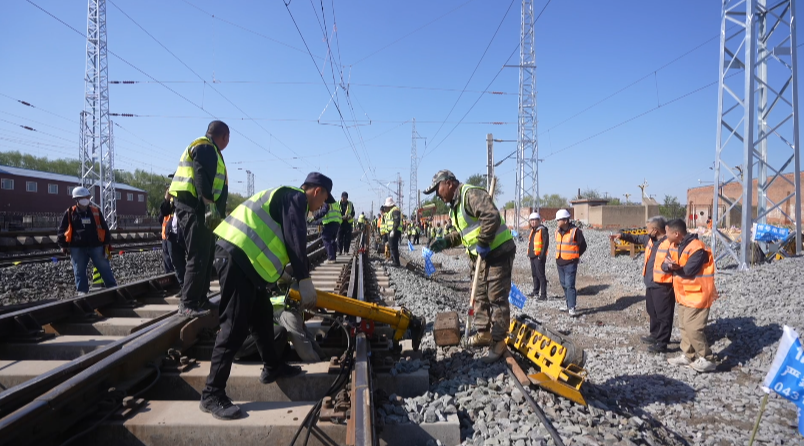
(660, 300)
(84, 234)
(200, 187)
(570, 246)
(257, 240)
(483, 232)
(538, 243)
(693, 269)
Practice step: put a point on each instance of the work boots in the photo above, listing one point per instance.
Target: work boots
(495, 352)
(479, 339)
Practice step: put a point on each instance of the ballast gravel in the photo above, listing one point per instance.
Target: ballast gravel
(31, 282)
(635, 397)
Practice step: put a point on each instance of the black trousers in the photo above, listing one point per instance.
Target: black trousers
(660, 303)
(393, 242)
(344, 237)
(199, 243)
(244, 309)
(178, 257)
(539, 277)
(416, 239)
(167, 263)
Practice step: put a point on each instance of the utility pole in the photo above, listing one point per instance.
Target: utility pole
(757, 119)
(97, 149)
(413, 203)
(627, 196)
(490, 157)
(642, 187)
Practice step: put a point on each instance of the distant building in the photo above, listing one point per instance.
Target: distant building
(699, 202)
(597, 213)
(24, 191)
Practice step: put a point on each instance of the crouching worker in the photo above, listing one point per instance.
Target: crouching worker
(257, 240)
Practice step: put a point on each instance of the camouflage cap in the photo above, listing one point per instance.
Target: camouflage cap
(442, 175)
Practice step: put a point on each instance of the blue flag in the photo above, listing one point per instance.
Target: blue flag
(429, 268)
(410, 246)
(786, 374)
(514, 233)
(516, 297)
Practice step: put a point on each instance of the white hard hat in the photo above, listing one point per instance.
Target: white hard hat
(562, 214)
(81, 192)
(389, 201)
(535, 216)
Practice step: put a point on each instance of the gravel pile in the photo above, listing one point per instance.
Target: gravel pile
(55, 280)
(624, 380)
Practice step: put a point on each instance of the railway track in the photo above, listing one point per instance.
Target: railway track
(120, 367)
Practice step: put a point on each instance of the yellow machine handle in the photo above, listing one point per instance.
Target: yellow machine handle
(401, 319)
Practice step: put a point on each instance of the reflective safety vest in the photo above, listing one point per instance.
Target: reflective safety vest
(699, 291)
(361, 219)
(469, 227)
(536, 239)
(349, 209)
(566, 245)
(251, 228)
(389, 220)
(333, 215)
(164, 226)
(184, 178)
(68, 234)
(659, 276)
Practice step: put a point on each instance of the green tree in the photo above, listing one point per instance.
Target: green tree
(480, 180)
(590, 193)
(510, 205)
(671, 208)
(554, 201)
(614, 202)
(440, 207)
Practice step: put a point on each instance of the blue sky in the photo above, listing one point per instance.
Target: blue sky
(270, 93)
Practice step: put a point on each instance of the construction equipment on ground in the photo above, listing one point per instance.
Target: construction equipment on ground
(400, 319)
(621, 246)
(559, 360)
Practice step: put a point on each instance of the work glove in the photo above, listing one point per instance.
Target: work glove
(438, 245)
(307, 292)
(483, 251)
(212, 217)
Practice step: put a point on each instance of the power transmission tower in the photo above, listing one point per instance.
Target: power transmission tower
(400, 185)
(97, 150)
(413, 202)
(527, 155)
(249, 183)
(757, 131)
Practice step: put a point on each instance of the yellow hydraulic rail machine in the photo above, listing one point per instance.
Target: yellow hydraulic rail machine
(559, 360)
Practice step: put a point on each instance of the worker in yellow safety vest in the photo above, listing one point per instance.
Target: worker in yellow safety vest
(392, 224)
(257, 240)
(347, 209)
(482, 231)
(200, 190)
(693, 269)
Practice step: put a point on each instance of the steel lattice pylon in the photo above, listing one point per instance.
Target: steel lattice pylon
(757, 120)
(249, 183)
(97, 148)
(527, 154)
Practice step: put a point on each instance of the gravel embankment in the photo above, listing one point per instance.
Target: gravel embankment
(55, 280)
(635, 396)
